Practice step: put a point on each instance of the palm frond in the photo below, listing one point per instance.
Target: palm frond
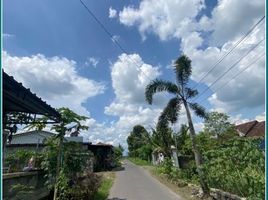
(170, 112)
(198, 109)
(159, 86)
(183, 69)
(190, 93)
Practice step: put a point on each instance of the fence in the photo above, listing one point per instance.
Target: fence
(24, 185)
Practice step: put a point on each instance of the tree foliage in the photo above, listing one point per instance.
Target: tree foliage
(237, 166)
(217, 124)
(162, 139)
(138, 138)
(74, 159)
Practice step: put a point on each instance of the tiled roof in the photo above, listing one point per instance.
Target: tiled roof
(258, 130)
(252, 128)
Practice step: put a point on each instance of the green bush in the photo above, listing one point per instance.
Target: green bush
(19, 159)
(237, 166)
(83, 187)
(177, 174)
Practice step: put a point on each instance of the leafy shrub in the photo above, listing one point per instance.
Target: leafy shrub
(74, 160)
(83, 187)
(237, 166)
(19, 159)
(166, 167)
(177, 174)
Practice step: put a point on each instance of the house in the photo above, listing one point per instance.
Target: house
(251, 129)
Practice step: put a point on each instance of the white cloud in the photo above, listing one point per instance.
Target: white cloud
(250, 83)
(112, 13)
(115, 38)
(92, 61)
(232, 18)
(53, 79)
(7, 35)
(130, 75)
(165, 18)
(261, 117)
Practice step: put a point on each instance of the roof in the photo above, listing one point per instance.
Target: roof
(16, 98)
(89, 144)
(252, 129)
(31, 137)
(37, 137)
(103, 144)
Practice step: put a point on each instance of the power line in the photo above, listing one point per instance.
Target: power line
(241, 58)
(109, 34)
(226, 54)
(236, 75)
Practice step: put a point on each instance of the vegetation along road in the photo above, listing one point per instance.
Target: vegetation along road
(134, 183)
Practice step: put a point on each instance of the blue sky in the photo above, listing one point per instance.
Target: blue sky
(94, 81)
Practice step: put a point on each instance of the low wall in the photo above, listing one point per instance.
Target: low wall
(24, 185)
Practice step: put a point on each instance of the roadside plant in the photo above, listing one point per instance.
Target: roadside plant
(182, 97)
(237, 166)
(19, 159)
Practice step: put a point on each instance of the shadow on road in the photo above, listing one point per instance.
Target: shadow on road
(116, 198)
(118, 169)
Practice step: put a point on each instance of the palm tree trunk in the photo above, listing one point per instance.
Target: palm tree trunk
(197, 154)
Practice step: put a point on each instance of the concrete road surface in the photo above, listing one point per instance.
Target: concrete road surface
(135, 183)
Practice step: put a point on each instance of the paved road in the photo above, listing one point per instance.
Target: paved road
(135, 183)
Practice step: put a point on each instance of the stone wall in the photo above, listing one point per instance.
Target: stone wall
(24, 185)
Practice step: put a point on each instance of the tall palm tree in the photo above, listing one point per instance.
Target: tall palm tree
(183, 94)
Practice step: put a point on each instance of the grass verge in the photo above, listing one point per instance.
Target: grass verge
(139, 161)
(106, 184)
(185, 192)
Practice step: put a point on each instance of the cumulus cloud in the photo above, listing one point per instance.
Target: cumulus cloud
(165, 18)
(54, 79)
(235, 21)
(112, 13)
(130, 75)
(250, 82)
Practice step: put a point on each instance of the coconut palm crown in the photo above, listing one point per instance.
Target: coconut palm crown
(180, 89)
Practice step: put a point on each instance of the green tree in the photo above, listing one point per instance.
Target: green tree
(67, 117)
(138, 138)
(162, 139)
(183, 93)
(183, 140)
(217, 124)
